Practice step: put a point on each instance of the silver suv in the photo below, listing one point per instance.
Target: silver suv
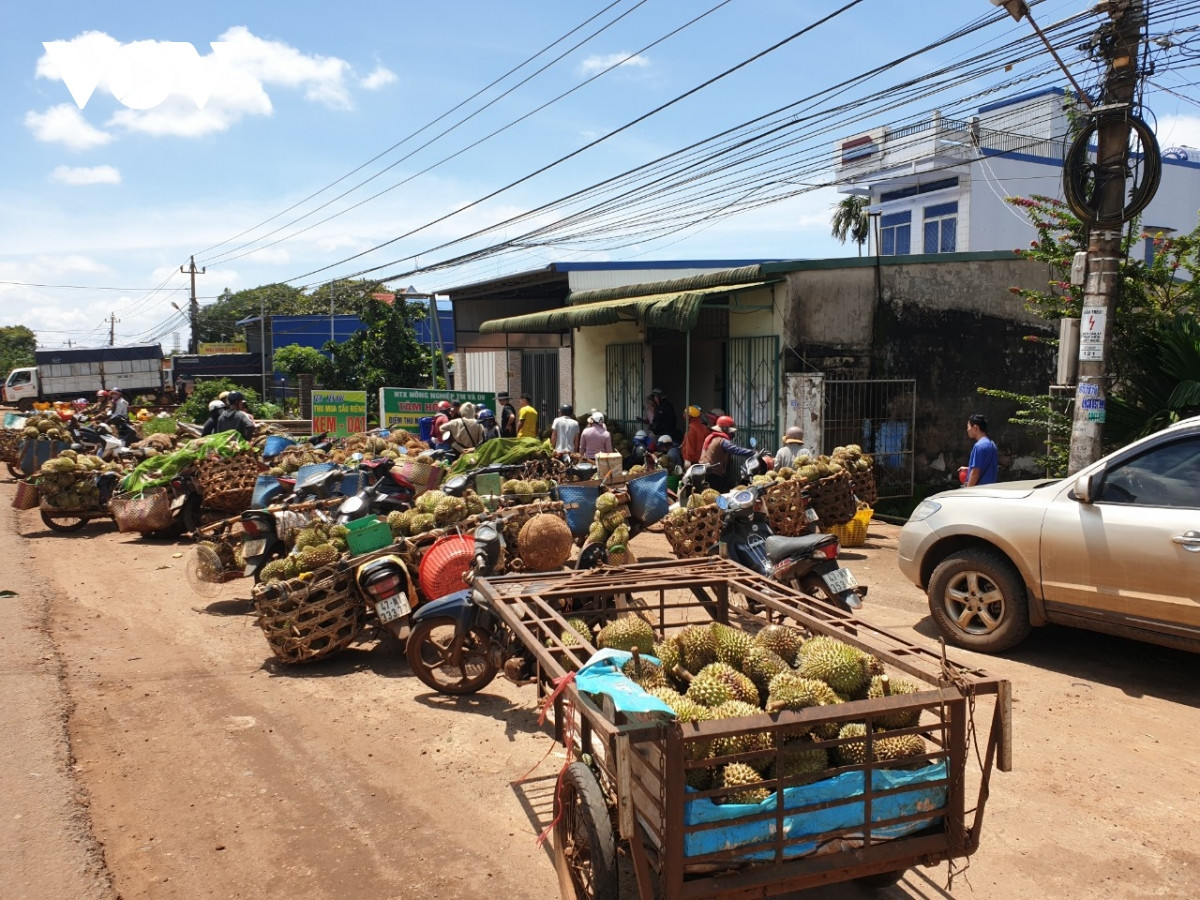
(1115, 548)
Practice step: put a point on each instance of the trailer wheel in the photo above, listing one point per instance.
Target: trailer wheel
(442, 662)
(585, 847)
(63, 522)
(882, 880)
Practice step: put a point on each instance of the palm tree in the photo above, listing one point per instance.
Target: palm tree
(850, 220)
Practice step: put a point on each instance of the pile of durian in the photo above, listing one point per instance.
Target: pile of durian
(609, 525)
(292, 458)
(69, 480)
(45, 427)
(717, 672)
(434, 510)
(809, 469)
(521, 491)
(318, 544)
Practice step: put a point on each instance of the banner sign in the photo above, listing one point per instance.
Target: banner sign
(402, 407)
(341, 413)
(212, 349)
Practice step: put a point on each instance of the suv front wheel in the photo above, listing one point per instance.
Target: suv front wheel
(978, 601)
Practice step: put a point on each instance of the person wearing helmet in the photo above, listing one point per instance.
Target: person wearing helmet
(463, 432)
(793, 446)
(665, 420)
(565, 430)
(120, 406)
(214, 412)
(669, 455)
(235, 418)
(440, 419)
(595, 438)
(693, 439)
(720, 454)
(487, 420)
(639, 454)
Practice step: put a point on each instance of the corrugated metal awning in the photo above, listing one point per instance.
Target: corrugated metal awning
(663, 304)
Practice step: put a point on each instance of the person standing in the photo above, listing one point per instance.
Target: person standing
(665, 420)
(215, 408)
(983, 467)
(693, 440)
(487, 420)
(793, 446)
(235, 418)
(595, 438)
(527, 418)
(565, 430)
(508, 415)
(463, 433)
(120, 406)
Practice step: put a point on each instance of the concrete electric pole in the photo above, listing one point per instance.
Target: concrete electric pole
(193, 305)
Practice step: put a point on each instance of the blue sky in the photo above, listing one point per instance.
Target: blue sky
(113, 198)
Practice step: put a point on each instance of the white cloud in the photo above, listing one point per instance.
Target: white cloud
(64, 124)
(380, 77)
(271, 256)
(76, 175)
(594, 64)
(175, 91)
(1174, 131)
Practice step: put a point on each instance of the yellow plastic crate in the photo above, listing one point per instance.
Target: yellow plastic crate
(854, 532)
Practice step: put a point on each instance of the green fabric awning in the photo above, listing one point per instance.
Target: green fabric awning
(664, 304)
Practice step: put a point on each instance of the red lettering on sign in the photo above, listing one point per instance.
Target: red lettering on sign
(324, 423)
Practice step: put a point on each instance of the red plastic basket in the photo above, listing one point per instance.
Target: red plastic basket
(444, 564)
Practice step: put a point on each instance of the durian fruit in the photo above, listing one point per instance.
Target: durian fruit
(801, 758)
(884, 748)
(275, 570)
(449, 510)
(842, 667)
(781, 640)
(605, 503)
(626, 633)
(695, 501)
(719, 682)
(786, 472)
(709, 495)
(677, 516)
(612, 520)
(730, 644)
(317, 555)
(737, 775)
(398, 521)
(421, 522)
(760, 665)
(428, 502)
(696, 649)
(667, 651)
(538, 486)
(475, 505)
(885, 686)
(309, 537)
(619, 538)
(740, 743)
(581, 626)
(597, 533)
(643, 672)
(789, 691)
(688, 711)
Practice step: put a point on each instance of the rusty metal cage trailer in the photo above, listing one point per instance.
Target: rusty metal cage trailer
(631, 774)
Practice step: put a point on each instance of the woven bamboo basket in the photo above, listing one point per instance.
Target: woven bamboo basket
(227, 482)
(28, 495)
(864, 486)
(833, 499)
(10, 439)
(786, 503)
(307, 619)
(696, 533)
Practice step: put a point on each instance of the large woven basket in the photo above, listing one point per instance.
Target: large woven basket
(786, 503)
(28, 495)
(696, 533)
(227, 482)
(515, 519)
(833, 499)
(146, 512)
(306, 620)
(863, 484)
(10, 439)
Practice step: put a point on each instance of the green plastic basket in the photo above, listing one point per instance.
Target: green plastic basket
(365, 535)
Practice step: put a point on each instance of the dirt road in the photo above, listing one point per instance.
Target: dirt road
(154, 750)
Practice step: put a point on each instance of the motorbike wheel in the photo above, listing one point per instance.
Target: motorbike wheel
(814, 586)
(449, 666)
(14, 471)
(585, 847)
(190, 514)
(63, 522)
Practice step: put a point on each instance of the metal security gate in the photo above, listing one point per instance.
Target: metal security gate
(539, 379)
(878, 416)
(625, 369)
(752, 389)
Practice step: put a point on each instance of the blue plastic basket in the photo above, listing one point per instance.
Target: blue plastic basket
(648, 497)
(266, 489)
(351, 483)
(580, 503)
(276, 444)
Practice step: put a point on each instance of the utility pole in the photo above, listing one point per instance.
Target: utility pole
(112, 329)
(1106, 215)
(193, 306)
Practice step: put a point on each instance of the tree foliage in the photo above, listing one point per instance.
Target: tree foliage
(850, 220)
(385, 352)
(195, 408)
(295, 360)
(17, 344)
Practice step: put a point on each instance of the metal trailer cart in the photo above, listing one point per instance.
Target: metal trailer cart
(626, 780)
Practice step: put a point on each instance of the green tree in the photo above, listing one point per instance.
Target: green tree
(217, 322)
(850, 220)
(17, 344)
(384, 353)
(195, 408)
(295, 360)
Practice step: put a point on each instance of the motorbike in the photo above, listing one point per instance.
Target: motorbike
(458, 644)
(266, 531)
(382, 584)
(383, 490)
(108, 441)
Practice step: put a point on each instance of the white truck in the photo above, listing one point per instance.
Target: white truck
(67, 374)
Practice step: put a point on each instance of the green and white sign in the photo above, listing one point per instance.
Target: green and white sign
(402, 407)
(341, 413)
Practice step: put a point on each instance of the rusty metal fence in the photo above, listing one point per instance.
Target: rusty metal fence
(879, 416)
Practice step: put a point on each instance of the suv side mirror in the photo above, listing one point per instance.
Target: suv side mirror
(1086, 487)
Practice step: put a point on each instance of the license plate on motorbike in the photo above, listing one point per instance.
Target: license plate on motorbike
(392, 608)
(810, 514)
(840, 580)
(254, 547)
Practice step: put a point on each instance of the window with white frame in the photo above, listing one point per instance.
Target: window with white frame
(895, 237)
(941, 226)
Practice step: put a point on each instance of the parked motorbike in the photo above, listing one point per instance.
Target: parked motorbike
(383, 490)
(108, 441)
(382, 584)
(267, 532)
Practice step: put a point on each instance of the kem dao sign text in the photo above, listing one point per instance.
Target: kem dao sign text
(141, 75)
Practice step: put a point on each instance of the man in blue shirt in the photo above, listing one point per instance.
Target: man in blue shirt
(983, 466)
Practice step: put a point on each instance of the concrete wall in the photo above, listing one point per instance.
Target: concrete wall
(590, 376)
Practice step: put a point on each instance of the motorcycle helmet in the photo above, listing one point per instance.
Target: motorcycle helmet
(725, 423)
(443, 406)
(101, 393)
(233, 398)
(215, 405)
(640, 435)
(486, 415)
(565, 409)
(693, 412)
(665, 440)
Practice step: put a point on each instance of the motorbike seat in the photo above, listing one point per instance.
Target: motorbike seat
(778, 547)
